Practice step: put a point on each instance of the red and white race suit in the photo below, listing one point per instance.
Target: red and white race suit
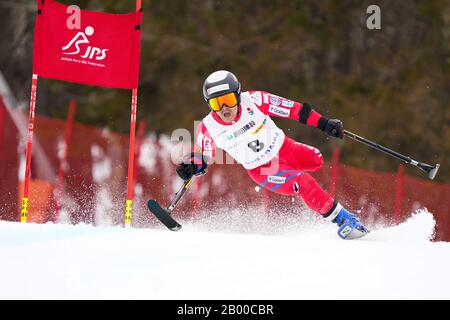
(272, 160)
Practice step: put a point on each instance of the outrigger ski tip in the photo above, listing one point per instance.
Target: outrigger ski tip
(163, 215)
(432, 173)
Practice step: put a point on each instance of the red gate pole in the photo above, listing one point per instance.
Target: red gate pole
(399, 192)
(63, 159)
(129, 201)
(26, 184)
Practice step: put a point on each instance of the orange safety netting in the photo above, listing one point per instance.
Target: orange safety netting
(96, 181)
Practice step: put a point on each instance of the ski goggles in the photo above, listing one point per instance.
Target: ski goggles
(229, 100)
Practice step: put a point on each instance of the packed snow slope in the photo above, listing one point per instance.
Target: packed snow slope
(209, 259)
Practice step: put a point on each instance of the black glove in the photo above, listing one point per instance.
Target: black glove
(332, 127)
(196, 164)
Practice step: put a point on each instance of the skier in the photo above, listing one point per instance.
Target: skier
(240, 124)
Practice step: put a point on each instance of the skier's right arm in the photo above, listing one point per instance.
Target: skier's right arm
(196, 163)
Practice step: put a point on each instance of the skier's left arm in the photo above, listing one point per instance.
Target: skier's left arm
(273, 105)
(202, 154)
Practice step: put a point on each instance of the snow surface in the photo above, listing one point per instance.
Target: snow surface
(214, 259)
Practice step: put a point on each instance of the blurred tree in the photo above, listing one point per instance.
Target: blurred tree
(390, 85)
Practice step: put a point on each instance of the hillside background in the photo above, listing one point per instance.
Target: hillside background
(390, 85)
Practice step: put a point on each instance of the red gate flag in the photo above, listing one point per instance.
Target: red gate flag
(104, 51)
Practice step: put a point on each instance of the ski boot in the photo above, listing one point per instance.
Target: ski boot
(349, 225)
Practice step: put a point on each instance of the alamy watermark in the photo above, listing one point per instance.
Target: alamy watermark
(73, 21)
(373, 21)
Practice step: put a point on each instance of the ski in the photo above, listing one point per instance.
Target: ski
(163, 215)
(347, 232)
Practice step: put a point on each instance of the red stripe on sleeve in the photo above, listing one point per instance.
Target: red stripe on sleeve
(204, 143)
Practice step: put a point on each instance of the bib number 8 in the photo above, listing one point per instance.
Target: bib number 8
(256, 146)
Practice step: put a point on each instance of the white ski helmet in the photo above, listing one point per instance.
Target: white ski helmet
(220, 83)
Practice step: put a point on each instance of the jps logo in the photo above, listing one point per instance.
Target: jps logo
(81, 39)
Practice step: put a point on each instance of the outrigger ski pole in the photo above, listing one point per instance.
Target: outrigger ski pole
(164, 215)
(430, 170)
